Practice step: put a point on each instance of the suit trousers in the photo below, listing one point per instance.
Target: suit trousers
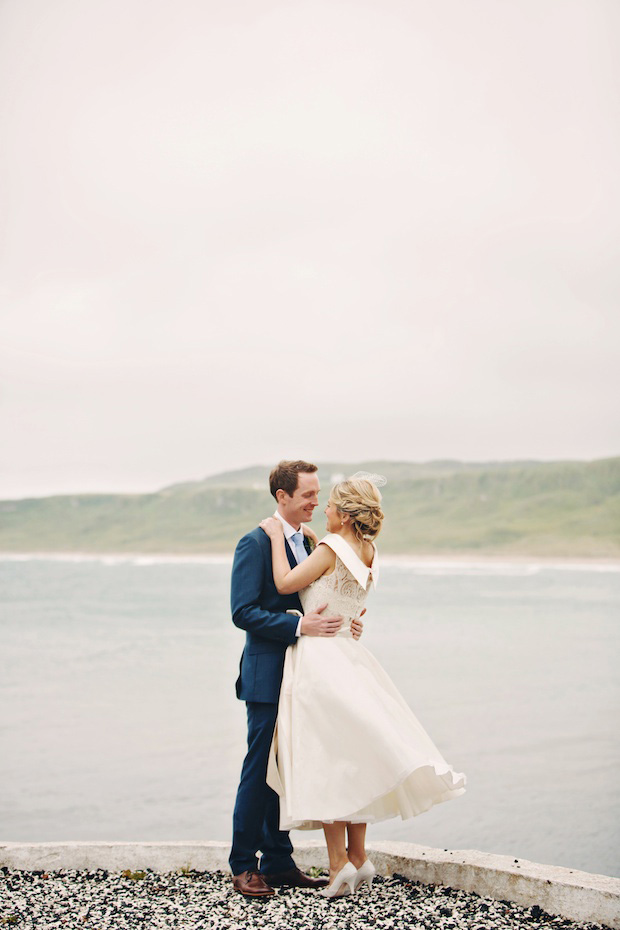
(256, 818)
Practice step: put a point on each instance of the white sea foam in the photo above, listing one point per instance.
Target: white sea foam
(420, 565)
(117, 558)
(492, 566)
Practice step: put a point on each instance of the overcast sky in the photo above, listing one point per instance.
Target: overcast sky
(233, 232)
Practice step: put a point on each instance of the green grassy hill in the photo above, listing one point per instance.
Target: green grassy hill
(505, 508)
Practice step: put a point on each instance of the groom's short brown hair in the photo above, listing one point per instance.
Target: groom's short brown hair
(284, 476)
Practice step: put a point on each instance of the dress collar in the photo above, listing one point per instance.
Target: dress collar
(351, 559)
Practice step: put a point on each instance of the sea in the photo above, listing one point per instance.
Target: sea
(119, 721)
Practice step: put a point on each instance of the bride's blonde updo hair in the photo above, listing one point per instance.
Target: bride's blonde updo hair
(361, 500)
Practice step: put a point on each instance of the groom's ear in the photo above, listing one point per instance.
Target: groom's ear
(281, 495)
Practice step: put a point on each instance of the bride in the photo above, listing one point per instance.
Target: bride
(347, 750)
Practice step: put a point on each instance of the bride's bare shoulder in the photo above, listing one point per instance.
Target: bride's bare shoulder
(326, 558)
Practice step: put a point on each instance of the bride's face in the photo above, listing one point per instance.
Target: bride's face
(334, 518)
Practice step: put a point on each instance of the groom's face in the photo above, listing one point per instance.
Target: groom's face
(299, 506)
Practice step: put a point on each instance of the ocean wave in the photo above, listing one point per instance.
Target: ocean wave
(419, 565)
(116, 558)
(492, 566)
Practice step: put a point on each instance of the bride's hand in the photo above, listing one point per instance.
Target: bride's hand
(357, 627)
(272, 527)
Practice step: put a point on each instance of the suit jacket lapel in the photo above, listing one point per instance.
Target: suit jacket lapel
(292, 561)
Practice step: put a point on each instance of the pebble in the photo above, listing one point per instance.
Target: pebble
(99, 900)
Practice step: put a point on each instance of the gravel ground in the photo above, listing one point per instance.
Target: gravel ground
(205, 901)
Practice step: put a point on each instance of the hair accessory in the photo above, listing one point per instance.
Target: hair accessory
(378, 480)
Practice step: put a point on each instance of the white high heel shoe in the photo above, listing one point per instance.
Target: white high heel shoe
(342, 883)
(365, 873)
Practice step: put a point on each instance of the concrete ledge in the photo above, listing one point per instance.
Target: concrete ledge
(577, 895)
(566, 892)
(206, 856)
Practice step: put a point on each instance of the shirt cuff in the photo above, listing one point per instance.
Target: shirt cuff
(297, 613)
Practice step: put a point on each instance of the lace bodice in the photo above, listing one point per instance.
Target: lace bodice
(343, 589)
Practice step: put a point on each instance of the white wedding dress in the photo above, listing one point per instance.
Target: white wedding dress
(346, 745)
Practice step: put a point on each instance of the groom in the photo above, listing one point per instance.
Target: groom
(272, 622)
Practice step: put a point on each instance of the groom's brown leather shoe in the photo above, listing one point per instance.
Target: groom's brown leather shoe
(252, 884)
(295, 879)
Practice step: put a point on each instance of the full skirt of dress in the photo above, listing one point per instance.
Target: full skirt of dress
(346, 744)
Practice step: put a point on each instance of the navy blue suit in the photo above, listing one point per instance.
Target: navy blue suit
(258, 609)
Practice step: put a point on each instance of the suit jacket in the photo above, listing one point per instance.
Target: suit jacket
(258, 609)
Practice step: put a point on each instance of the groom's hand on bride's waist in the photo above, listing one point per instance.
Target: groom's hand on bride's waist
(316, 623)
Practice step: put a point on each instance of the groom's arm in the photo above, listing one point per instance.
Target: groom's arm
(246, 587)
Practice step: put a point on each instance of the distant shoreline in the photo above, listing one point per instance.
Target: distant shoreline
(428, 560)
(455, 512)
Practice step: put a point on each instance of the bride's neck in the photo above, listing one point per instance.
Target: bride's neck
(351, 538)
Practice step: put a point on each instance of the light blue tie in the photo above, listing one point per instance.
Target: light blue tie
(298, 542)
